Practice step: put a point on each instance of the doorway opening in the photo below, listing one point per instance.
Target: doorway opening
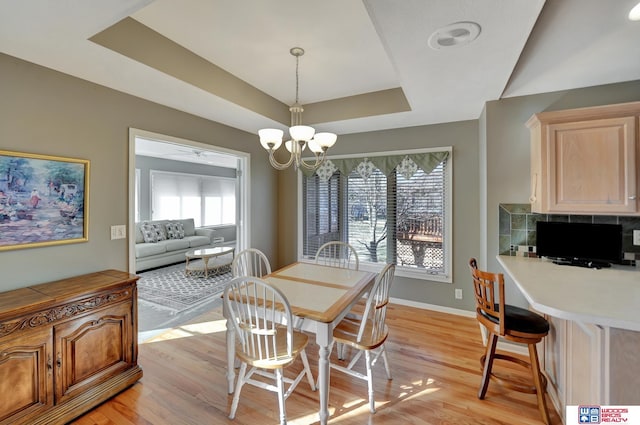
(154, 156)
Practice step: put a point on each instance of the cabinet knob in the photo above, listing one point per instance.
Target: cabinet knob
(633, 198)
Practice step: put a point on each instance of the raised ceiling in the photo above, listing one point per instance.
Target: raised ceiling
(368, 64)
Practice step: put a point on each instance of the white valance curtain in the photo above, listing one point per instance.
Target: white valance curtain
(406, 164)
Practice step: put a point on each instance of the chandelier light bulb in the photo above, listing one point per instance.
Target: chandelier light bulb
(301, 132)
(270, 136)
(314, 146)
(325, 140)
(634, 14)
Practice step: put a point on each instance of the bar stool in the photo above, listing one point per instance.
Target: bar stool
(513, 324)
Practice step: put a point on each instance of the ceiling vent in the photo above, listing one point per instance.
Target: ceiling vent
(454, 35)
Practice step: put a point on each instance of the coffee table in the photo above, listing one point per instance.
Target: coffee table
(209, 259)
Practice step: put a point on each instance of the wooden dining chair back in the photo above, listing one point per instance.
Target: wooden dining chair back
(338, 254)
(257, 311)
(250, 262)
(512, 323)
(369, 334)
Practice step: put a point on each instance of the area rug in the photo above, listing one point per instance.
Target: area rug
(170, 288)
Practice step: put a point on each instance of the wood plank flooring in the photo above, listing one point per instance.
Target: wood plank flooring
(434, 360)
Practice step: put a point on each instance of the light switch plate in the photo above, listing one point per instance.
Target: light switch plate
(636, 237)
(119, 231)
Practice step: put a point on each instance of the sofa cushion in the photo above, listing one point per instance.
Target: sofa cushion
(149, 234)
(159, 229)
(195, 241)
(174, 230)
(176, 244)
(147, 249)
(189, 226)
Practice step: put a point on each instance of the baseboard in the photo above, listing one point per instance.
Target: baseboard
(502, 345)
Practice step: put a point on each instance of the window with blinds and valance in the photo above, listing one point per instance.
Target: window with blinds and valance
(391, 208)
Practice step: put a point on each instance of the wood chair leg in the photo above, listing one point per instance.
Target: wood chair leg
(492, 342)
(537, 380)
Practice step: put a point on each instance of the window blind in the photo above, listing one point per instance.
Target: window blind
(396, 215)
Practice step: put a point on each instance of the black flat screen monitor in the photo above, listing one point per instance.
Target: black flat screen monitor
(581, 244)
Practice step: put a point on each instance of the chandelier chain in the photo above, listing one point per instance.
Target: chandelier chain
(297, 74)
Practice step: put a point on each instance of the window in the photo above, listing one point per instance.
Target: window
(210, 201)
(391, 208)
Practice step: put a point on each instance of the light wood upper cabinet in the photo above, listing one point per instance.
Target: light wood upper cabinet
(586, 160)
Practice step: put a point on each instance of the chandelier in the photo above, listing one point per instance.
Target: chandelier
(302, 136)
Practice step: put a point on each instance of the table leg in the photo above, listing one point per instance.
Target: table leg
(231, 350)
(206, 266)
(324, 337)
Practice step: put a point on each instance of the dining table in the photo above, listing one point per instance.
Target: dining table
(320, 296)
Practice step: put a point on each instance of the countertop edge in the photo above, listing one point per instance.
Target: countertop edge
(567, 314)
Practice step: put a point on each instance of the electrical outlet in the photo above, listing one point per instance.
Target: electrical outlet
(636, 237)
(119, 231)
(458, 294)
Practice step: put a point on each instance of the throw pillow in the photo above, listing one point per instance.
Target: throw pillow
(148, 233)
(174, 230)
(159, 230)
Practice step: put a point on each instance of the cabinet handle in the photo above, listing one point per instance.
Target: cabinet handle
(534, 189)
(49, 363)
(59, 362)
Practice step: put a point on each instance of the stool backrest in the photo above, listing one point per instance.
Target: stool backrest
(488, 289)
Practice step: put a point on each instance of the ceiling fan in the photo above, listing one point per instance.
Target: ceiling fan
(198, 153)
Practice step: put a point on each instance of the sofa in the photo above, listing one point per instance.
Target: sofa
(163, 242)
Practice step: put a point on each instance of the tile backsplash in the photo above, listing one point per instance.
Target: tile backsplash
(517, 229)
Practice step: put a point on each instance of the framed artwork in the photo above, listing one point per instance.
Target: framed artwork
(44, 200)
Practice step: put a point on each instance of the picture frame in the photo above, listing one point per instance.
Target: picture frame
(44, 200)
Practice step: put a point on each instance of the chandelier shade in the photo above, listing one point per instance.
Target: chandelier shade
(302, 136)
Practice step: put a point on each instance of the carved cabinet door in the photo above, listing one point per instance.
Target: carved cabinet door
(26, 378)
(92, 349)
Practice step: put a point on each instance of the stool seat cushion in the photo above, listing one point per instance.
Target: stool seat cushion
(521, 320)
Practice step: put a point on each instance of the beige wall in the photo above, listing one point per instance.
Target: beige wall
(491, 166)
(46, 112)
(463, 137)
(507, 161)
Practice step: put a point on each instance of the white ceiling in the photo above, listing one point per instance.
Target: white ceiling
(353, 47)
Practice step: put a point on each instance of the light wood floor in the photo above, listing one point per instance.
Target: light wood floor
(435, 367)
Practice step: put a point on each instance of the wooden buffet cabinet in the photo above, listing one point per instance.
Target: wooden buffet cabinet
(586, 161)
(67, 346)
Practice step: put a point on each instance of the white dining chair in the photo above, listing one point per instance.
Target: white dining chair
(263, 343)
(368, 336)
(338, 254)
(250, 262)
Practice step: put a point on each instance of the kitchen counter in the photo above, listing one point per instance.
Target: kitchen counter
(606, 297)
(590, 354)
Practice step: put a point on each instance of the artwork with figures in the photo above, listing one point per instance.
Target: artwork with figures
(43, 200)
